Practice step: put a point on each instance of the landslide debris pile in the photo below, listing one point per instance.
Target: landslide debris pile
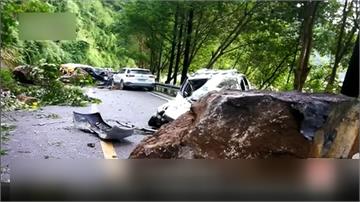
(39, 84)
(259, 125)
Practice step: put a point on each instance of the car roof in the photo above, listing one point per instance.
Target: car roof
(136, 69)
(209, 73)
(74, 65)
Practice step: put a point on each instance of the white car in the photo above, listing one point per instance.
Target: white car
(134, 77)
(195, 87)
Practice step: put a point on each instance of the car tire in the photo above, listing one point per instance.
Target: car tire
(121, 85)
(155, 122)
(114, 85)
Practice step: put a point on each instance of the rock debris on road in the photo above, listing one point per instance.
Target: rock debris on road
(49, 133)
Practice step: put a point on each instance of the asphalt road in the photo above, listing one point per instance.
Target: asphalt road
(48, 133)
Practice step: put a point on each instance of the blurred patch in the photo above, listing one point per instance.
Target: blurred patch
(47, 26)
(317, 179)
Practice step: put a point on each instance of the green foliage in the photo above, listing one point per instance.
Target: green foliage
(4, 135)
(80, 79)
(58, 94)
(96, 44)
(140, 33)
(48, 89)
(9, 102)
(6, 79)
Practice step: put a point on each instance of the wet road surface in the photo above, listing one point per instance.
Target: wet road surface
(48, 133)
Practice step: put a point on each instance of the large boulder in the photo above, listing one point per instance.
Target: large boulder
(256, 125)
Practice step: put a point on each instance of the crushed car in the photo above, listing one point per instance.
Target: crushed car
(101, 75)
(195, 87)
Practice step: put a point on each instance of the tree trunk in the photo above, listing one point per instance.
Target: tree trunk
(293, 63)
(159, 62)
(173, 45)
(306, 36)
(350, 86)
(186, 62)
(152, 60)
(178, 52)
(339, 48)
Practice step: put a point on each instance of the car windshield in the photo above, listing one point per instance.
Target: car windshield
(191, 85)
(230, 83)
(197, 83)
(216, 83)
(140, 71)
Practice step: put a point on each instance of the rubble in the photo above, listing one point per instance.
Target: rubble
(258, 125)
(26, 99)
(92, 145)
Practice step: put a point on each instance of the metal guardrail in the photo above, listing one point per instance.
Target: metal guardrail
(167, 89)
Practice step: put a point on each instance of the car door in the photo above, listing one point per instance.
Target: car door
(118, 76)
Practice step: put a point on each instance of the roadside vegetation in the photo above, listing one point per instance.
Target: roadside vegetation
(45, 89)
(4, 135)
(286, 45)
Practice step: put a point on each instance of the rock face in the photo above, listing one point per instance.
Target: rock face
(339, 137)
(245, 125)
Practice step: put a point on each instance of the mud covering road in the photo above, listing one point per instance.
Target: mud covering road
(48, 133)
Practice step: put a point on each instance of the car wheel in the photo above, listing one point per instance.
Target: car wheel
(121, 85)
(154, 121)
(114, 85)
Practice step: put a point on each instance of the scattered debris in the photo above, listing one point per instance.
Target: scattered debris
(48, 123)
(57, 144)
(94, 123)
(3, 151)
(145, 130)
(24, 152)
(4, 134)
(5, 170)
(48, 116)
(5, 131)
(7, 116)
(27, 99)
(92, 145)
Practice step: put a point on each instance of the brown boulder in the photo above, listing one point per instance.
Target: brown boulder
(244, 125)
